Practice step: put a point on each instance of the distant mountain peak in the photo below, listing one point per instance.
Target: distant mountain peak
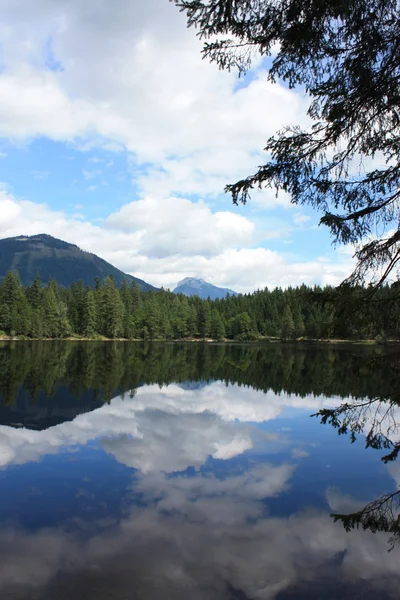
(191, 281)
(194, 286)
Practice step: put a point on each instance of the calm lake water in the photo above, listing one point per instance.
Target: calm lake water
(186, 471)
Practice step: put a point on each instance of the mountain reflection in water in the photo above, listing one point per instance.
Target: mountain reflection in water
(186, 471)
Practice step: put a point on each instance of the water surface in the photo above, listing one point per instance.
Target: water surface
(162, 471)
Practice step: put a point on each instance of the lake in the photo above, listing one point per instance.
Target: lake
(188, 471)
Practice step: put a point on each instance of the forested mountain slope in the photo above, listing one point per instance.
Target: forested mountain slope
(55, 259)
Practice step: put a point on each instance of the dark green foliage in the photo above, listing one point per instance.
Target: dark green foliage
(34, 293)
(241, 328)
(89, 314)
(217, 328)
(205, 319)
(287, 327)
(374, 419)
(382, 514)
(55, 313)
(345, 55)
(111, 309)
(314, 313)
(116, 367)
(15, 312)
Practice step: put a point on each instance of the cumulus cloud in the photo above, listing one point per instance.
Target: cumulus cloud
(189, 535)
(146, 433)
(132, 75)
(177, 226)
(170, 443)
(163, 240)
(193, 536)
(138, 433)
(231, 403)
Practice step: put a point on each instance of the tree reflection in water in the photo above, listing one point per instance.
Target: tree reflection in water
(377, 418)
(365, 378)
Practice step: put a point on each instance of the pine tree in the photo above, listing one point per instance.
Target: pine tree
(126, 296)
(34, 293)
(153, 317)
(168, 332)
(77, 300)
(287, 326)
(217, 326)
(56, 322)
(136, 296)
(192, 328)
(50, 312)
(111, 309)
(5, 318)
(16, 314)
(89, 316)
(241, 327)
(299, 327)
(344, 54)
(204, 319)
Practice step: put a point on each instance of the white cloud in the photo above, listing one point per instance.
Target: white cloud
(230, 404)
(137, 433)
(299, 219)
(194, 535)
(188, 534)
(172, 226)
(145, 433)
(268, 199)
(132, 75)
(163, 240)
(299, 453)
(246, 269)
(131, 78)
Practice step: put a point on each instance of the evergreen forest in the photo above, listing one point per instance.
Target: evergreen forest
(124, 311)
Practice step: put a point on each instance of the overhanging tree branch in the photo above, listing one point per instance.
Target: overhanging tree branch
(346, 54)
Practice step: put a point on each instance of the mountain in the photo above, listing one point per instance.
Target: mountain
(54, 258)
(198, 287)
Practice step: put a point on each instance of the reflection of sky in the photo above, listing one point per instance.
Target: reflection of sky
(206, 492)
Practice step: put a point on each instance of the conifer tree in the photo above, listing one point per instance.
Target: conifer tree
(112, 309)
(89, 316)
(287, 326)
(217, 326)
(344, 54)
(204, 319)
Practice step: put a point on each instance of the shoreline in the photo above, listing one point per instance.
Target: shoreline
(275, 340)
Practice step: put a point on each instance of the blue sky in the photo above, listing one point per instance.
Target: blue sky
(117, 136)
